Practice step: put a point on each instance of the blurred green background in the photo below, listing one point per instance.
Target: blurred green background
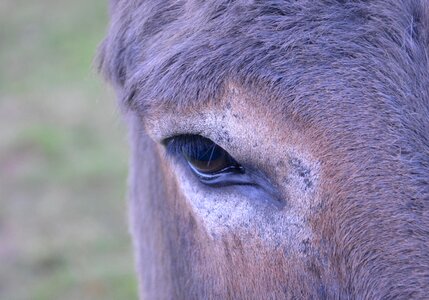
(63, 158)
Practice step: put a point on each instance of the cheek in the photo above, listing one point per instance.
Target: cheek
(239, 231)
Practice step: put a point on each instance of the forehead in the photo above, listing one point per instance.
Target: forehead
(187, 53)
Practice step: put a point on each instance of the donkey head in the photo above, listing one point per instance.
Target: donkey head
(279, 148)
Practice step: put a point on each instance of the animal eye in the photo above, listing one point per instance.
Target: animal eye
(205, 158)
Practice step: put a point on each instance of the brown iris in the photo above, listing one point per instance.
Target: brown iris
(212, 164)
(209, 159)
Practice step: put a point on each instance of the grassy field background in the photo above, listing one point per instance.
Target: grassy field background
(63, 158)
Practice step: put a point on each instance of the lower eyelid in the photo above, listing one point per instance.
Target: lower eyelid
(228, 170)
(252, 185)
(241, 183)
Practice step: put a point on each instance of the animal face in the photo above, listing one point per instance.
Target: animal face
(279, 148)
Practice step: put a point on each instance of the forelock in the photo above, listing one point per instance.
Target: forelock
(189, 51)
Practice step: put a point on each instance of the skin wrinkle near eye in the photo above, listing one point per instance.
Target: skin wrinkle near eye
(248, 135)
(219, 211)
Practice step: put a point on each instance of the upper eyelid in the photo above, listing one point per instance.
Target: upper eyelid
(191, 142)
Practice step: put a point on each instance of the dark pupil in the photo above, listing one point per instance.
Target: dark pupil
(208, 158)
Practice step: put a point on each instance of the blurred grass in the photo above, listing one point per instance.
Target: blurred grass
(63, 232)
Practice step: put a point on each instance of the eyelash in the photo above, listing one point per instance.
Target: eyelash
(185, 143)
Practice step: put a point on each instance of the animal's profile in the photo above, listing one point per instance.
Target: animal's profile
(280, 149)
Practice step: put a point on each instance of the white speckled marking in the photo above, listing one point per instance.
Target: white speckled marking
(252, 136)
